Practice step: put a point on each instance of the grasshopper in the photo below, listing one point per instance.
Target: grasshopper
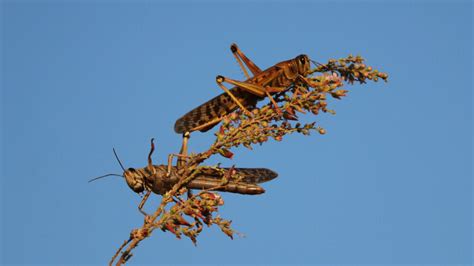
(159, 179)
(245, 94)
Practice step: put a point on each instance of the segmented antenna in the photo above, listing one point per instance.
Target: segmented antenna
(102, 176)
(118, 160)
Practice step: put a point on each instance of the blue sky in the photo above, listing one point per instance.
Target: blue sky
(390, 183)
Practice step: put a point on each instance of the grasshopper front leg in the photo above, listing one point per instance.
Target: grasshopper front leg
(152, 170)
(142, 203)
(184, 149)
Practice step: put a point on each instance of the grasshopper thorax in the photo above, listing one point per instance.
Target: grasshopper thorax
(134, 179)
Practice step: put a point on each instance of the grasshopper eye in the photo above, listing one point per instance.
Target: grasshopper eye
(302, 59)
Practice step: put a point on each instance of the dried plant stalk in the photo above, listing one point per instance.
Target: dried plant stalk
(184, 214)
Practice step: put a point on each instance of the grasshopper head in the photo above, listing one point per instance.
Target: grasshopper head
(303, 63)
(134, 180)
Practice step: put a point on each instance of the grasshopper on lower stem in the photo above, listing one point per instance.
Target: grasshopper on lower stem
(161, 178)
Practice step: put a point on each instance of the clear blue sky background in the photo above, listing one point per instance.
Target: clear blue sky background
(390, 183)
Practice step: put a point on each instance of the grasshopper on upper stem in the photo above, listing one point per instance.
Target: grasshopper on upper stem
(244, 94)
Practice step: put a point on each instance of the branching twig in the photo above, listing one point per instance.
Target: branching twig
(240, 129)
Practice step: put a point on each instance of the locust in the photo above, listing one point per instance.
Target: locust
(244, 94)
(159, 179)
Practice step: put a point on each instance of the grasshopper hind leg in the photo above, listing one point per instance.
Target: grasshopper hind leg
(184, 150)
(142, 203)
(240, 57)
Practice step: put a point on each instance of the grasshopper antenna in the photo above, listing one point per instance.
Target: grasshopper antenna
(118, 160)
(102, 176)
(316, 63)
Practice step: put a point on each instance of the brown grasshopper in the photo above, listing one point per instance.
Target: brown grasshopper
(245, 94)
(161, 178)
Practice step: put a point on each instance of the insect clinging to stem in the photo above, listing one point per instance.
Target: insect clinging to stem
(244, 94)
(161, 178)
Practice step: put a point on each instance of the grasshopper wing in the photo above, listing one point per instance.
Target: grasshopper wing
(210, 178)
(210, 113)
(249, 175)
